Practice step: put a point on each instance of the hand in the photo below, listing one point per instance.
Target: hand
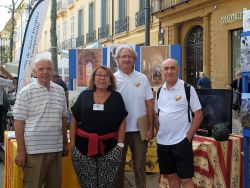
(21, 159)
(119, 147)
(150, 134)
(189, 137)
(65, 151)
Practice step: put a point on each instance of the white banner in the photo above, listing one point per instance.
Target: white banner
(31, 40)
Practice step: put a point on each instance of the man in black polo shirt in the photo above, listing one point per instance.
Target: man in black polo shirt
(56, 78)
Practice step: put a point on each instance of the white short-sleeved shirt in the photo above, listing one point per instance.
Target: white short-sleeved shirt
(135, 90)
(42, 111)
(173, 115)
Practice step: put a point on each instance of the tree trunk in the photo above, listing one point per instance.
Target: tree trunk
(53, 36)
(12, 30)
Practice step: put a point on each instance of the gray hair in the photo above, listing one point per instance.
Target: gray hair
(120, 48)
(202, 74)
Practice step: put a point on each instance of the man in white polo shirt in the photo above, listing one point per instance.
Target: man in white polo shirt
(175, 132)
(137, 95)
(40, 127)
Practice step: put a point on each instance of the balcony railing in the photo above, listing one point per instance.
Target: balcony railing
(140, 18)
(121, 25)
(103, 32)
(91, 36)
(61, 6)
(80, 41)
(71, 3)
(67, 44)
(159, 5)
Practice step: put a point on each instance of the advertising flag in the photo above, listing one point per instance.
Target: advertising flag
(31, 40)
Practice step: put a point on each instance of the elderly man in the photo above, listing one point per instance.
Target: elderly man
(137, 95)
(40, 126)
(175, 131)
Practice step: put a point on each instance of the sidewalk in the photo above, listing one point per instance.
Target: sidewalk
(152, 178)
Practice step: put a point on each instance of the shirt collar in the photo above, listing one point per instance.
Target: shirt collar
(175, 87)
(125, 75)
(41, 86)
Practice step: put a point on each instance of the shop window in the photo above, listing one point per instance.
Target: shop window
(235, 51)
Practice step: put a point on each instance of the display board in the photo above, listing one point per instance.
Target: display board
(149, 58)
(216, 107)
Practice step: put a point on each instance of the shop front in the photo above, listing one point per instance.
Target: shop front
(209, 32)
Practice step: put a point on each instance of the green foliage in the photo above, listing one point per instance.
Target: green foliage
(221, 132)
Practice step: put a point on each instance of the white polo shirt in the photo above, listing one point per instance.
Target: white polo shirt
(173, 116)
(42, 111)
(135, 90)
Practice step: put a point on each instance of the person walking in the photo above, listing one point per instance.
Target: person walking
(40, 126)
(7, 82)
(204, 82)
(175, 132)
(97, 131)
(138, 97)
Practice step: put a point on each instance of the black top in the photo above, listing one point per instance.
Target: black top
(62, 84)
(234, 84)
(100, 122)
(204, 83)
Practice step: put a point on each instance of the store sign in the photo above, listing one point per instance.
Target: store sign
(234, 17)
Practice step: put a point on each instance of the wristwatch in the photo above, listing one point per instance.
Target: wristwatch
(120, 145)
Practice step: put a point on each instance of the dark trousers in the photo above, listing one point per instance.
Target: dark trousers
(2, 122)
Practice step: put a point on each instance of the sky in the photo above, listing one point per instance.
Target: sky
(5, 16)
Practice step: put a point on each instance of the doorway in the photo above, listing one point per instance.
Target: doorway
(194, 54)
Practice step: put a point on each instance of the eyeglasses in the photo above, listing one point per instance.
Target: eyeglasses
(102, 76)
(126, 56)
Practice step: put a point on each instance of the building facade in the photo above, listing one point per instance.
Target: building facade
(82, 23)
(209, 32)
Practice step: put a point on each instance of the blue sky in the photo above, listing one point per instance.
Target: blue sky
(5, 16)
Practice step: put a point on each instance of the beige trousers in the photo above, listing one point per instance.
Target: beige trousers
(43, 170)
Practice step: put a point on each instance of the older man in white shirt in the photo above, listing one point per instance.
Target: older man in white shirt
(137, 95)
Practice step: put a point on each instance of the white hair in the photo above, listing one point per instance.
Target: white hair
(39, 60)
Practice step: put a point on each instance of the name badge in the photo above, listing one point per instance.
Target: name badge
(98, 107)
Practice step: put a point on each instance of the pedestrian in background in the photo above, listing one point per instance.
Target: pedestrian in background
(97, 131)
(175, 132)
(204, 82)
(6, 83)
(138, 97)
(40, 126)
(56, 78)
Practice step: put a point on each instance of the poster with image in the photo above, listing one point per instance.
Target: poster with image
(245, 54)
(151, 60)
(88, 60)
(245, 109)
(246, 20)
